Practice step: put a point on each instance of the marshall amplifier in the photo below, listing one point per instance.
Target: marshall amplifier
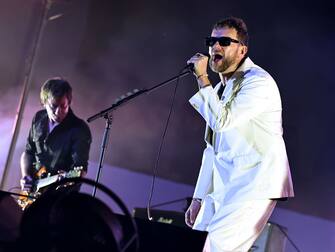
(162, 216)
(167, 232)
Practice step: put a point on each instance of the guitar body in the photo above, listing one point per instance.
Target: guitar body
(41, 182)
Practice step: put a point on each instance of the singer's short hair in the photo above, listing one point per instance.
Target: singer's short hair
(55, 87)
(238, 24)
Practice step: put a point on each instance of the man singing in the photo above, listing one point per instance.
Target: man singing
(244, 168)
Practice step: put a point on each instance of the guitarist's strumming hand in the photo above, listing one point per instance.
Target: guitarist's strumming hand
(26, 183)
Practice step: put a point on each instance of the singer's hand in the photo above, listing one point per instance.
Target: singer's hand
(192, 212)
(200, 62)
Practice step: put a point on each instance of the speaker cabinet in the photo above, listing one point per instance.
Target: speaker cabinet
(162, 216)
(167, 232)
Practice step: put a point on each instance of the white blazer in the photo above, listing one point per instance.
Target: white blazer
(245, 158)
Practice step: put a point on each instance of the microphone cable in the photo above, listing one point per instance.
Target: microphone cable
(154, 170)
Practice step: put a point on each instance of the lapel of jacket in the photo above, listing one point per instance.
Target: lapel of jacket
(209, 134)
(229, 92)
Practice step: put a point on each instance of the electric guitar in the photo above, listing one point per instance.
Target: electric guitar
(28, 197)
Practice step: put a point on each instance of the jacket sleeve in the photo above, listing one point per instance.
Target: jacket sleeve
(249, 100)
(205, 178)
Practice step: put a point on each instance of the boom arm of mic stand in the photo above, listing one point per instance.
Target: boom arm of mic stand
(131, 95)
(118, 102)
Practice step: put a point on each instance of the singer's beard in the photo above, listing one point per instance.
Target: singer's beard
(221, 65)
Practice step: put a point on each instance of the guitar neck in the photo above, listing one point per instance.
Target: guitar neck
(52, 179)
(46, 181)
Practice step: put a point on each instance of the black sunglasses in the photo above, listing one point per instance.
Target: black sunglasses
(223, 41)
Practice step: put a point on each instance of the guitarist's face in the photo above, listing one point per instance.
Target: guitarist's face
(57, 108)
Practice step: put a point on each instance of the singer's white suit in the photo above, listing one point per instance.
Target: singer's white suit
(245, 158)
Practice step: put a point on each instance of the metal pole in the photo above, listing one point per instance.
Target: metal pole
(26, 84)
(104, 144)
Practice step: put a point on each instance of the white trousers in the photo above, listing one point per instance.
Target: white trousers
(235, 227)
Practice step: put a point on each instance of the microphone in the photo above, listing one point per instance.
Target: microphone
(190, 66)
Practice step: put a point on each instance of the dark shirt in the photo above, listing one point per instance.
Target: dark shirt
(65, 147)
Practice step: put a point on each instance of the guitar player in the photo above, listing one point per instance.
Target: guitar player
(58, 140)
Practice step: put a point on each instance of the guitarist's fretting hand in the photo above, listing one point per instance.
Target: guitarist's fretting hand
(61, 174)
(26, 183)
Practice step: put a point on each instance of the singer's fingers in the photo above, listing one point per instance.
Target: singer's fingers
(187, 214)
(188, 221)
(192, 217)
(195, 58)
(198, 63)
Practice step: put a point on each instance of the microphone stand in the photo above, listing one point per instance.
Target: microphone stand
(106, 114)
(105, 138)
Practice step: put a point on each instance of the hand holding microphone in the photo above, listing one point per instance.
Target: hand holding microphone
(198, 65)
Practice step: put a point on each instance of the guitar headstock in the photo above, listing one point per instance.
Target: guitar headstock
(76, 172)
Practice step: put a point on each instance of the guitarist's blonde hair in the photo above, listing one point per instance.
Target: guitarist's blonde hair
(55, 87)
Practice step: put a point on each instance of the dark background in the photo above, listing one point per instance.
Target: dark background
(107, 48)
